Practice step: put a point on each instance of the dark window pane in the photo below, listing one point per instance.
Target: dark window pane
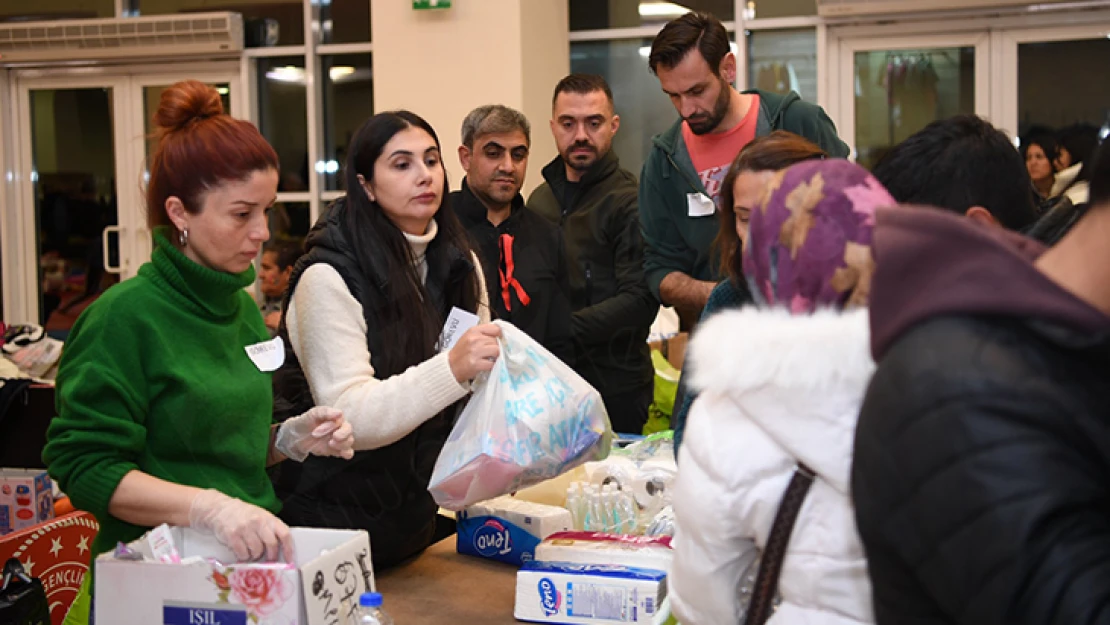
(1063, 83)
(18, 11)
(345, 21)
(288, 14)
(781, 61)
(348, 101)
(283, 117)
(643, 107)
(597, 14)
(289, 221)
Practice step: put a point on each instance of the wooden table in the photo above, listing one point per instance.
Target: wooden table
(442, 586)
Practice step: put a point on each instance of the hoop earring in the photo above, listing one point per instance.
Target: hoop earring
(183, 237)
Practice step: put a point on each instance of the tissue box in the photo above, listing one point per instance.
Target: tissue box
(589, 594)
(508, 529)
(26, 499)
(642, 552)
(331, 570)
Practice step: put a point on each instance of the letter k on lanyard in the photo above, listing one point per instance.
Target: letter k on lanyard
(505, 242)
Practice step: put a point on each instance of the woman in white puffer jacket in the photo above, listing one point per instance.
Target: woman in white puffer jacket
(781, 385)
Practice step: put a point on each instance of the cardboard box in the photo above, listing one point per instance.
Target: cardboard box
(331, 569)
(673, 348)
(56, 552)
(26, 499)
(588, 595)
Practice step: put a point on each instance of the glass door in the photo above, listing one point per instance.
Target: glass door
(69, 209)
(1058, 76)
(80, 213)
(889, 88)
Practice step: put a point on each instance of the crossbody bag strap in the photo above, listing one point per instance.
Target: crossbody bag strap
(770, 566)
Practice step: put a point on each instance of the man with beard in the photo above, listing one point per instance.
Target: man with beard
(593, 201)
(681, 179)
(522, 255)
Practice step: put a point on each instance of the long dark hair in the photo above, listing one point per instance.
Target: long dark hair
(408, 315)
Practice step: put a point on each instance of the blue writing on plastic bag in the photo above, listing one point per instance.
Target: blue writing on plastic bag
(532, 418)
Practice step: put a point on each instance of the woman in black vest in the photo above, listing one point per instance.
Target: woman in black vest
(366, 304)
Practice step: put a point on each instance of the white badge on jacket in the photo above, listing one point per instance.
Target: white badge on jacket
(700, 205)
(267, 355)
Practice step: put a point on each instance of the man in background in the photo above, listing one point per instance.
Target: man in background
(522, 255)
(681, 179)
(593, 201)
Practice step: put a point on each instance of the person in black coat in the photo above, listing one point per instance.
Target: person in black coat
(981, 475)
(522, 254)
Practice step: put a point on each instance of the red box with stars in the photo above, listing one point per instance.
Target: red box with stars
(56, 552)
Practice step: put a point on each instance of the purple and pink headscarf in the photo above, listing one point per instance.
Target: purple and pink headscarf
(809, 242)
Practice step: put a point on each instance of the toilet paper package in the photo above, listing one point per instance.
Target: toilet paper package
(603, 549)
(508, 529)
(646, 469)
(589, 594)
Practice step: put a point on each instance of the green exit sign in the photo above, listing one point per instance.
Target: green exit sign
(431, 4)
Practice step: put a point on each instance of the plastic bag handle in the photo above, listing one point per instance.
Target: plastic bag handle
(514, 358)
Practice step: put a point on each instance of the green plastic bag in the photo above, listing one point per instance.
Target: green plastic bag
(666, 386)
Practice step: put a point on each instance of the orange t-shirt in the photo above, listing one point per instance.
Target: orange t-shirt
(712, 153)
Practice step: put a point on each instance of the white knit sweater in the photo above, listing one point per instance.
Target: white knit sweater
(328, 333)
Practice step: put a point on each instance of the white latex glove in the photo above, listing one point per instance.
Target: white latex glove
(321, 431)
(249, 531)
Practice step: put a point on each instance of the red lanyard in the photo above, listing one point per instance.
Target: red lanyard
(505, 242)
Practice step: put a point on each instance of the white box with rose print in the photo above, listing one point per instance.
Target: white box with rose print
(332, 568)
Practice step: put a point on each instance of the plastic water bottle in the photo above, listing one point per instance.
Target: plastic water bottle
(370, 610)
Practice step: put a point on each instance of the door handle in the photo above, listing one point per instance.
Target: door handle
(104, 240)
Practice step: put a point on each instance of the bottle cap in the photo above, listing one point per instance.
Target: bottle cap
(370, 600)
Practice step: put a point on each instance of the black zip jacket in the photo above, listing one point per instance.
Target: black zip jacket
(613, 309)
(538, 267)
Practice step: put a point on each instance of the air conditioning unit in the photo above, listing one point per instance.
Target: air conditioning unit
(179, 35)
(849, 8)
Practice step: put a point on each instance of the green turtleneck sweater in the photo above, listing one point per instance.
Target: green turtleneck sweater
(154, 377)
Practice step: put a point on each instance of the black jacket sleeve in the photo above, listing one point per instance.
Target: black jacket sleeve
(978, 498)
(633, 305)
(559, 316)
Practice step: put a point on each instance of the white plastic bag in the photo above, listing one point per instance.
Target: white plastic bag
(531, 419)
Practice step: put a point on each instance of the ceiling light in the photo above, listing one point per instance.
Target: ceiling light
(288, 73)
(662, 10)
(340, 71)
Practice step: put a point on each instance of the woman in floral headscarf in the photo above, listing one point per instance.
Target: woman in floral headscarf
(808, 263)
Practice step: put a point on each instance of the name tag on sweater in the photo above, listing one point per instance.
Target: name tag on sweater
(267, 355)
(699, 205)
(458, 322)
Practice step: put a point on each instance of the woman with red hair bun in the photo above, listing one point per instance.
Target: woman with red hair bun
(164, 389)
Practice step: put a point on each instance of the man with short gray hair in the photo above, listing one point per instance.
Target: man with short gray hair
(522, 255)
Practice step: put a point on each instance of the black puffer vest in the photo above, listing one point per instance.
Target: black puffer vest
(384, 491)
